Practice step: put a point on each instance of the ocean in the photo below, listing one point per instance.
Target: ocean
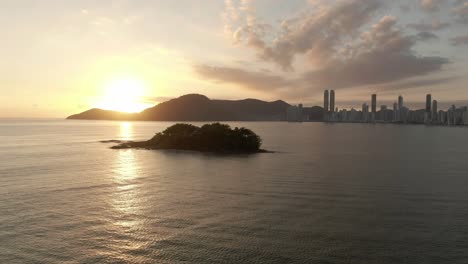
(331, 193)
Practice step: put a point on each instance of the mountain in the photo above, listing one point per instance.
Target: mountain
(196, 107)
(100, 114)
(315, 113)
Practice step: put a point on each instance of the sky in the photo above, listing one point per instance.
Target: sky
(64, 57)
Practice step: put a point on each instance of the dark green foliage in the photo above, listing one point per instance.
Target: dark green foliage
(214, 137)
(179, 135)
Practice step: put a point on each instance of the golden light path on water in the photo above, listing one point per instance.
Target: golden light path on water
(126, 196)
(129, 226)
(125, 199)
(126, 131)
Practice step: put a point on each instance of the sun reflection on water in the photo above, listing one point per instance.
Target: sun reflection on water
(126, 131)
(125, 198)
(126, 167)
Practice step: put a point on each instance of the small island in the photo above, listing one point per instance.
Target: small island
(215, 138)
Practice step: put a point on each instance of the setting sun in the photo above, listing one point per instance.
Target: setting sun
(124, 94)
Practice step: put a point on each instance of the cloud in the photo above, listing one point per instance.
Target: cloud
(459, 40)
(342, 51)
(372, 69)
(254, 80)
(429, 5)
(315, 33)
(382, 55)
(434, 26)
(405, 8)
(425, 36)
(418, 83)
(462, 13)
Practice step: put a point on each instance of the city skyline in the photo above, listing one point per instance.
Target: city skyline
(63, 58)
(430, 115)
(399, 101)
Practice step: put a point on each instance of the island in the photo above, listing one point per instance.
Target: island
(215, 138)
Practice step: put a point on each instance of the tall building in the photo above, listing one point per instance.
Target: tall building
(326, 101)
(395, 112)
(434, 111)
(442, 117)
(465, 116)
(383, 112)
(451, 116)
(374, 103)
(404, 114)
(365, 112)
(353, 115)
(400, 102)
(300, 109)
(294, 113)
(373, 108)
(332, 101)
(428, 114)
(428, 103)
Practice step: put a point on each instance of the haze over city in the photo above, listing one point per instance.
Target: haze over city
(60, 58)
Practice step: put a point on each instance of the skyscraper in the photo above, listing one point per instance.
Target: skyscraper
(400, 102)
(395, 112)
(428, 103)
(374, 103)
(383, 112)
(325, 101)
(434, 111)
(373, 114)
(365, 112)
(326, 106)
(332, 101)
(428, 115)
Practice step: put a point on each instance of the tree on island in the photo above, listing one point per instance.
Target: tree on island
(216, 137)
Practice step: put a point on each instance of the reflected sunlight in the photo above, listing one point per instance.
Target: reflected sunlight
(126, 131)
(125, 199)
(126, 170)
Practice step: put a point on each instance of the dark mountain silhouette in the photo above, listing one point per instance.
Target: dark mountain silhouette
(100, 114)
(315, 113)
(195, 107)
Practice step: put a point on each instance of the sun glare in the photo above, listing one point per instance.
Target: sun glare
(124, 94)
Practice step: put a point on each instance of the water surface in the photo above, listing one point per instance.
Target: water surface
(334, 193)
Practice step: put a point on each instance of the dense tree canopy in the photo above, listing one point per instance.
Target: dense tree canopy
(214, 137)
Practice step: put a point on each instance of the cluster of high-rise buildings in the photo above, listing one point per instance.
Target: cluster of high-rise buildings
(399, 114)
(295, 113)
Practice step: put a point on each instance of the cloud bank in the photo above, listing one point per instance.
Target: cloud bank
(435, 25)
(460, 40)
(344, 43)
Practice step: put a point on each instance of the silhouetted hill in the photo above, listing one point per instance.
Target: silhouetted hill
(315, 113)
(253, 109)
(191, 107)
(196, 107)
(100, 114)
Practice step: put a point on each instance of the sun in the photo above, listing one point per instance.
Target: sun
(124, 94)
